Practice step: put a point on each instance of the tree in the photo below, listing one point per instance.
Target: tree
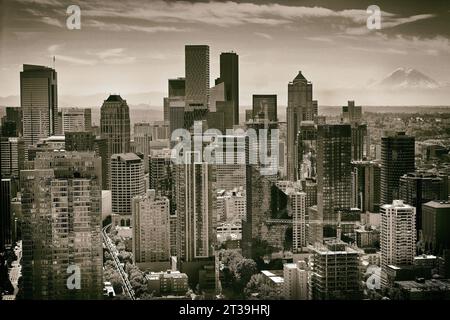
(245, 269)
(257, 288)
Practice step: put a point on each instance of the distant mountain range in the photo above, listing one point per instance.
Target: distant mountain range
(406, 78)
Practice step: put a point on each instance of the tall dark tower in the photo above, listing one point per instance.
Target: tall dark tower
(115, 126)
(39, 102)
(397, 159)
(229, 74)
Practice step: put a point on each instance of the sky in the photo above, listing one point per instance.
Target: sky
(132, 47)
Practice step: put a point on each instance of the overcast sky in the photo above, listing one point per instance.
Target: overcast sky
(130, 46)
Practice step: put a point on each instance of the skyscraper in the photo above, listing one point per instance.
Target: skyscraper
(417, 188)
(265, 107)
(398, 236)
(76, 120)
(39, 102)
(115, 126)
(229, 75)
(127, 181)
(197, 75)
(12, 156)
(12, 122)
(150, 228)
(196, 237)
(333, 174)
(366, 185)
(61, 206)
(300, 108)
(435, 226)
(5, 214)
(397, 159)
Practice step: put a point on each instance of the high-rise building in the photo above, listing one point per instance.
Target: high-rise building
(417, 188)
(12, 122)
(296, 278)
(150, 228)
(197, 75)
(229, 75)
(61, 207)
(12, 156)
(351, 113)
(115, 126)
(333, 174)
(76, 120)
(305, 161)
(435, 226)
(80, 141)
(265, 107)
(176, 103)
(300, 108)
(127, 182)
(398, 236)
(196, 237)
(5, 214)
(39, 102)
(296, 206)
(366, 185)
(397, 159)
(335, 272)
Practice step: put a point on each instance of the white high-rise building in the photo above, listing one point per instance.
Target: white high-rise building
(127, 181)
(231, 205)
(151, 228)
(296, 281)
(76, 120)
(398, 235)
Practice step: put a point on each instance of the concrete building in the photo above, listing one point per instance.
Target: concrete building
(296, 279)
(366, 177)
(398, 236)
(76, 120)
(151, 228)
(169, 283)
(435, 226)
(61, 207)
(127, 181)
(265, 107)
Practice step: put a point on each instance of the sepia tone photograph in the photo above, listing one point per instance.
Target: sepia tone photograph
(242, 151)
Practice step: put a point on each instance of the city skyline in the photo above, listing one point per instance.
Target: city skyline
(118, 39)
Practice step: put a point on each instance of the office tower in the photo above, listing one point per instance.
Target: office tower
(268, 218)
(166, 104)
(335, 272)
(101, 149)
(196, 237)
(12, 156)
(197, 75)
(334, 178)
(366, 185)
(296, 207)
(397, 159)
(359, 141)
(296, 277)
(300, 108)
(220, 115)
(309, 186)
(76, 120)
(351, 113)
(160, 169)
(39, 102)
(127, 181)
(305, 159)
(231, 205)
(150, 228)
(176, 103)
(229, 75)
(115, 127)
(80, 141)
(231, 162)
(177, 87)
(417, 188)
(160, 130)
(398, 236)
(265, 107)
(5, 214)
(435, 226)
(12, 122)
(142, 138)
(61, 207)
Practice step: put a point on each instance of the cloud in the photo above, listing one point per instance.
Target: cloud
(319, 39)
(74, 60)
(54, 47)
(116, 27)
(52, 21)
(113, 56)
(264, 35)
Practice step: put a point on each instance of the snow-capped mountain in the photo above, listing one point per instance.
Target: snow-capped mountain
(407, 78)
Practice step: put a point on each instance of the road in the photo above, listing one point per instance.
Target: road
(114, 253)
